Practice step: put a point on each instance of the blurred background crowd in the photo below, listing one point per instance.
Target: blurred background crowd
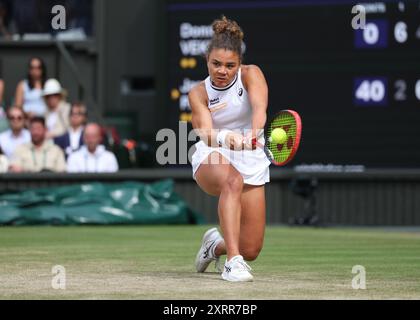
(42, 131)
(26, 17)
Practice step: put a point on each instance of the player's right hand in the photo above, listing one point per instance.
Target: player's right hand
(235, 141)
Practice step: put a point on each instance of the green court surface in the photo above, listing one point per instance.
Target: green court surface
(157, 262)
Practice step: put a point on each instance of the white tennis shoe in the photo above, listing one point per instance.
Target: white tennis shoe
(236, 269)
(206, 253)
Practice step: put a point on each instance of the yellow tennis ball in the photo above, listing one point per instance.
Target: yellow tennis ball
(278, 135)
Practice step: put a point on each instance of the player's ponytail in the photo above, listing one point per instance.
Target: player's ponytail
(227, 35)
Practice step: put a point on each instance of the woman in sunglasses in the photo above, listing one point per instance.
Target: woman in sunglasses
(29, 91)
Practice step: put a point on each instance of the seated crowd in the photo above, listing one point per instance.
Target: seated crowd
(46, 133)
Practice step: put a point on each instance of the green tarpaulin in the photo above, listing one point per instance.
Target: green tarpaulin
(98, 203)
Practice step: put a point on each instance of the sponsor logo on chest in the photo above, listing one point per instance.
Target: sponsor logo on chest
(214, 101)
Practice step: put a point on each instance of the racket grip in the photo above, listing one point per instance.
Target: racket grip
(254, 140)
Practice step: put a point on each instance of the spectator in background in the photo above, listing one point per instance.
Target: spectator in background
(4, 162)
(92, 157)
(80, 13)
(29, 91)
(26, 16)
(72, 140)
(38, 155)
(17, 134)
(4, 125)
(5, 20)
(58, 109)
(1, 92)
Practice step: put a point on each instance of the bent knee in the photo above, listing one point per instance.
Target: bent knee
(251, 254)
(233, 184)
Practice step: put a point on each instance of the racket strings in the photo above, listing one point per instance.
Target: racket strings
(280, 152)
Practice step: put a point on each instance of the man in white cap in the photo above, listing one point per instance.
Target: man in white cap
(57, 116)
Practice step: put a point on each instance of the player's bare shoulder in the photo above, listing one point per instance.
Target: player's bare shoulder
(251, 72)
(198, 95)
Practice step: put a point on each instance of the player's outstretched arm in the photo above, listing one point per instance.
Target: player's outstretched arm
(257, 88)
(201, 118)
(203, 124)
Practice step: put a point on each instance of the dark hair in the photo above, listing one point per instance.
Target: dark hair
(15, 108)
(79, 104)
(37, 119)
(227, 35)
(31, 83)
(6, 7)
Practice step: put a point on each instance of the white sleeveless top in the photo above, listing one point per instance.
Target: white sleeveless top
(33, 101)
(230, 108)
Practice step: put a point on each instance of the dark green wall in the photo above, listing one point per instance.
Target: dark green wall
(129, 45)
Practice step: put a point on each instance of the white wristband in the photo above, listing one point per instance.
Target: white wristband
(221, 137)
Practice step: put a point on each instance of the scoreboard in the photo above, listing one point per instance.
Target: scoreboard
(353, 75)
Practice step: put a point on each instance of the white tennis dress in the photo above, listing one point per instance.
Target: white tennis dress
(230, 109)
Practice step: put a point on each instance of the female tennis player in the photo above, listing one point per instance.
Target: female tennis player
(228, 110)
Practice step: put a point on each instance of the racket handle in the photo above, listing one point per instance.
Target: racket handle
(255, 140)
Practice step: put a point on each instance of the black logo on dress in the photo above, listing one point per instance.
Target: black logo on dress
(214, 101)
(240, 92)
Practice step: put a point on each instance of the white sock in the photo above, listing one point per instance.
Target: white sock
(214, 247)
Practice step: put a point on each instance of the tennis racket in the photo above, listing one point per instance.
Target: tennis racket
(281, 154)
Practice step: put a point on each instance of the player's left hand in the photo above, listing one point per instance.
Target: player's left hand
(249, 136)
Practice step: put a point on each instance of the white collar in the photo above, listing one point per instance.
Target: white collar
(98, 152)
(78, 130)
(18, 136)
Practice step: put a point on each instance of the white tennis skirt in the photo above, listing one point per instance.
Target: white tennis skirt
(253, 165)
